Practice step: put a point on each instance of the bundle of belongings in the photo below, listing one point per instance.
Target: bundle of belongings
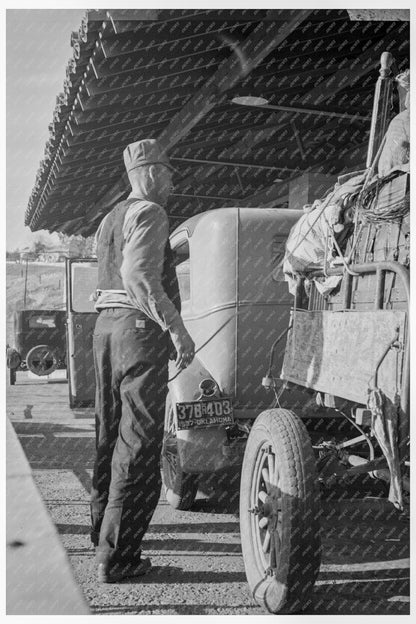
(384, 203)
(396, 146)
(377, 195)
(374, 205)
(310, 244)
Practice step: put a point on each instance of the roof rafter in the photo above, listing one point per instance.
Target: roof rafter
(253, 50)
(277, 192)
(263, 40)
(118, 90)
(339, 80)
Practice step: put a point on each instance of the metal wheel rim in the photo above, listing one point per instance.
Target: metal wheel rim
(42, 360)
(266, 508)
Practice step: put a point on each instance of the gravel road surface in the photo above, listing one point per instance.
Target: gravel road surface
(197, 563)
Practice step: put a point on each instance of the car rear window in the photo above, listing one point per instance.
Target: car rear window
(42, 321)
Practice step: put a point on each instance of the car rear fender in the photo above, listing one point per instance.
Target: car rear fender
(200, 450)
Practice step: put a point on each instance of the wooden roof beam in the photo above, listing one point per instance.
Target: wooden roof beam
(123, 44)
(223, 163)
(96, 15)
(114, 79)
(107, 170)
(112, 120)
(133, 80)
(252, 138)
(132, 15)
(262, 41)
(313, 111)
(102, 134)
(139, 96)
(102, 137)
(345, 77)
(122, 17)
(140, 62)
(276, 192)
(87, 117)
(125, 20)
(338, 81)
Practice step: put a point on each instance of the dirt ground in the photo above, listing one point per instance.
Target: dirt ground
(198, 565)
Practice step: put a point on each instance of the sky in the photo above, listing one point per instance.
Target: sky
(37, 52)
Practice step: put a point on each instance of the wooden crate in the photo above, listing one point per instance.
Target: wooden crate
(337, 352)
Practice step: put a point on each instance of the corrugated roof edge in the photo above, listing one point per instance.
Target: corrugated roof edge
(82, 42)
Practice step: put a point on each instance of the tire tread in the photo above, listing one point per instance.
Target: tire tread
(298, 470)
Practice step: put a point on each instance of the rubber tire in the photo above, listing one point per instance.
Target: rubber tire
(288, 588)
(33, 354)
(180, 487)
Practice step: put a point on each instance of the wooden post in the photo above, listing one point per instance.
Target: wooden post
(24, 298)
(379, 119)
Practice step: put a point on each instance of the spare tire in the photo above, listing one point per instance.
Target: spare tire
(42, 360)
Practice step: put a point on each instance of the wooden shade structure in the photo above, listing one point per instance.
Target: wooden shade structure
(173, 75)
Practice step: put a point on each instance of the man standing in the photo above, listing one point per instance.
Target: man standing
(138, 304)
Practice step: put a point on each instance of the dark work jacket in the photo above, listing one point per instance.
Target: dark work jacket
(110, 256)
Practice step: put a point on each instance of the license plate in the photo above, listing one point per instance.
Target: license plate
(204, 413)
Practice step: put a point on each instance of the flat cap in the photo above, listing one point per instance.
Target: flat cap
(145, 152)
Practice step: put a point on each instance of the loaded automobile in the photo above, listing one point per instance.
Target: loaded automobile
(234, 299)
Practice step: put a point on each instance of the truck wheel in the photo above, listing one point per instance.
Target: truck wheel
(180, 487)
(279, 512)
(41, 360)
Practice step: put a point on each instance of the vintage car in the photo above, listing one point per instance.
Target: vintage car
(234, 304)
(40, 342)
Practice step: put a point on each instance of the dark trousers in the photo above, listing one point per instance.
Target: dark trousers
(131, 366)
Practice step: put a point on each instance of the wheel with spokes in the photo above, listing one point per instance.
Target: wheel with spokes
(42, 360)
(180, 487)
(279, 512)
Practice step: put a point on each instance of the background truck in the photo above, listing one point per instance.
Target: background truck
(347, 347)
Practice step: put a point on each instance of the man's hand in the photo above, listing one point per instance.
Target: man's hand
(184, 345)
